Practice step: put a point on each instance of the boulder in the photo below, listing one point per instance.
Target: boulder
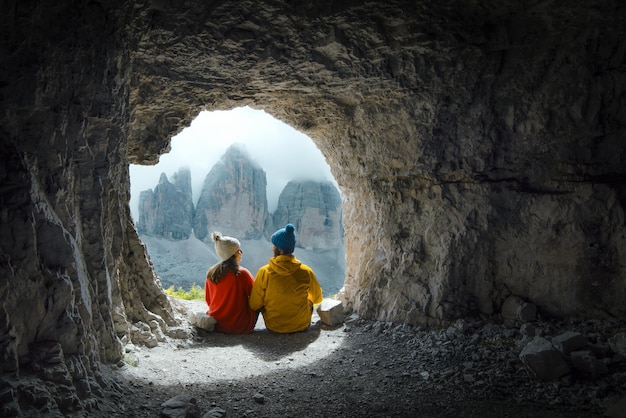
(618, 343)
(516, 309)
(181, 406)
(331, 312)
(569, 341)
(542, 360)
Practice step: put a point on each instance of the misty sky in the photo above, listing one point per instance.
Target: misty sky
(283, 152)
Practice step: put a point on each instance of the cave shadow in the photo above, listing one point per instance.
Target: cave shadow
(270, 346)
(264, 344)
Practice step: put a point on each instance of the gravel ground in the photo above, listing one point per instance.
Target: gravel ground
(358, 369)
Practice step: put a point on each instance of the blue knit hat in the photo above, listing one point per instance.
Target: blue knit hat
(285, 239)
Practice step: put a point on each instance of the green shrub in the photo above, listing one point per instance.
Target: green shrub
(196, 292)
(131, 359)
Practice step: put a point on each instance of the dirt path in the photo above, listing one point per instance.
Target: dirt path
(360, 369)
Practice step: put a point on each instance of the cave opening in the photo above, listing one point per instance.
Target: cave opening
(175, 204)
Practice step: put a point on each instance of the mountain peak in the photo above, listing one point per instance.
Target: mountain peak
(167, 211)
(315, 209)
(233, 198)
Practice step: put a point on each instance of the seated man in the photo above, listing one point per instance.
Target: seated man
(285, 289)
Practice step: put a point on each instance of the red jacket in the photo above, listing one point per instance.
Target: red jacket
(228, 302)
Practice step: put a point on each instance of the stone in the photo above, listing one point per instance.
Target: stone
(588, 365)
(618, 343)
(542, 361)
(527, 312)
(516, 309)
(141, 334)
(202, 321)
(179, 401)
(331, 312)
(215, 413)
(569, 341)
(181, 406)
(462, 325)
(527, 330)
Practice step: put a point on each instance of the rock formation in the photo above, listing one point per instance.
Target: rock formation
(236, 186)
(480, 143)
(167, 211)
(315, 210)
(233, 199)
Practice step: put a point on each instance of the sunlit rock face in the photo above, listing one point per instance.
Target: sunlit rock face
(314, 209)
(167, 210)
(233, 199)
(479, 148)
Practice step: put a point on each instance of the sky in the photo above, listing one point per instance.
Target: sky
(283, 152)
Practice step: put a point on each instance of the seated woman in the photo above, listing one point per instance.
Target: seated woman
(227, 289)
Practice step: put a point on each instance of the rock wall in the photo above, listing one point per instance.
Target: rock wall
(314, 209)
(76, 283)
(479, 147)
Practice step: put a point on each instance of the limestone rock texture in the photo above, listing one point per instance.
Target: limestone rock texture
(167, 211)
(233, 199)
(479, 147)
(314, 208)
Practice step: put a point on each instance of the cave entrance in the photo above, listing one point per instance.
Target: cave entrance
(300, 189)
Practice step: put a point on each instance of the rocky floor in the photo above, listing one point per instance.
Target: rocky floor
(360, 369)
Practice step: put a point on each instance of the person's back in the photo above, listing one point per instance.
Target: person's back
(285, 289)
(227, 289)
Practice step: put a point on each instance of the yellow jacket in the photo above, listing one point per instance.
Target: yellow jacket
(286, 289)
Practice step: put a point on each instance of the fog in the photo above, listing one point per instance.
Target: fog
(283, 152)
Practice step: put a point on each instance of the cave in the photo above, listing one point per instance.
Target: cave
(479, 148)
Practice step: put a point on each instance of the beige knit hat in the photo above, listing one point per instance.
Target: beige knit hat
(225, 247)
